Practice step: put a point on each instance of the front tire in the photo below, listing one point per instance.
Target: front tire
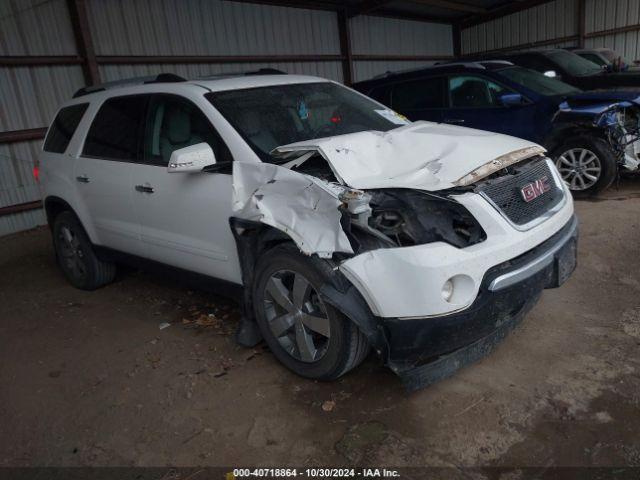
(76, 257)
(307, 335)
(587, 165)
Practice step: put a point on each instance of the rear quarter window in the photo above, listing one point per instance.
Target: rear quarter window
(63, 128)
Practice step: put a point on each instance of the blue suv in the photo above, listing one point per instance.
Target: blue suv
(590, 135)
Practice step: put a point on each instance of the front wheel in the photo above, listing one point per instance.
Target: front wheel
(306, 334)
(587, 165)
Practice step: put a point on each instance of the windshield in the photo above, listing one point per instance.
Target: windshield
(267, 117)
(537, 82)
(574, 64)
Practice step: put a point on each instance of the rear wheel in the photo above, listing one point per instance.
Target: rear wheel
(76, 257)
(587, 165)
(306, 334)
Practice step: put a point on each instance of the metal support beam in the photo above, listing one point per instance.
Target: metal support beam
(80, 23)
(26, 61)
(582, 21)
(449, 5)
(456, 33)
(22, 135)
(367, 6)
(337, 5)
(173, 59)
(401, 58)
(345, 47)
(522, 46)
(613, 31)
(499, 12)
(22, 207)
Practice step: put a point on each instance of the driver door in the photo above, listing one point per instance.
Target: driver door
(475, 103)
(184, 217)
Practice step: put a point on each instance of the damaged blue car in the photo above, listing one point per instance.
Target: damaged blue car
(592, 136)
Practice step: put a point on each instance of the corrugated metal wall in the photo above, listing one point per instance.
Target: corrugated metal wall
(545, 22)
(607, 14)
(29, 96)
(387, 36)
(205, 27)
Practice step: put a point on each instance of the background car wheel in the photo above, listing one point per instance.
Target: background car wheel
(76, 257)
(587, 165)
(306, 334)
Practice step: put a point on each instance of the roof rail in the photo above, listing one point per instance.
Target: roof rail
(261, 71)
(428, 67)
(160, 78)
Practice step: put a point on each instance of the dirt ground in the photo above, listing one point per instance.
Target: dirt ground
(90, 378)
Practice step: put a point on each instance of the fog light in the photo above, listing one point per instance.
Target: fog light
(447, 290)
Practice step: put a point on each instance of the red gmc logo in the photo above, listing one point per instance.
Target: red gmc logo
(533, 190)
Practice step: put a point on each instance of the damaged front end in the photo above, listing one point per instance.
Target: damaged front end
(621, 124)
(616, 120)
(427, 256)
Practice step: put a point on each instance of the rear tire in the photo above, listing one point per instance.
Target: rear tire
(76, 256)
(307, 335)
(587, 165)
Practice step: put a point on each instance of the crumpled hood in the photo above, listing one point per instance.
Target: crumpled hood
(598, 101)
(422, 155)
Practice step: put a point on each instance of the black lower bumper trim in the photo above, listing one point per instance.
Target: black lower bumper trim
(446, 365)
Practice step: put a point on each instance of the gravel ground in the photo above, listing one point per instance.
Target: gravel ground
(89, 378)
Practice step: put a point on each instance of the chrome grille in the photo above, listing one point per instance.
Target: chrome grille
(505, 192)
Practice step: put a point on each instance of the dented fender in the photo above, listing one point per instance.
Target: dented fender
(303, 207)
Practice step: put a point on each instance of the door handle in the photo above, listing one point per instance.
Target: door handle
(82, 179)
(144, 188)
(454, 120)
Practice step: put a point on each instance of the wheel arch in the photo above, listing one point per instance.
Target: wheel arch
(557, 137)
(253, 239)
(54, 205)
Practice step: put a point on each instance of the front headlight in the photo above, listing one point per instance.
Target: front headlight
(405, 218)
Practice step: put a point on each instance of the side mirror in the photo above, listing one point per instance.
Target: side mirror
(550, 74)
(636, 62)
(191, 159)
(512, 99)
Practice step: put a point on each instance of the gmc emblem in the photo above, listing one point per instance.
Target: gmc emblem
(533, 190)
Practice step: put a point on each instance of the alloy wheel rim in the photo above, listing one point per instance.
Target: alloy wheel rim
(580, 168)
(296, 316)
(71, 253)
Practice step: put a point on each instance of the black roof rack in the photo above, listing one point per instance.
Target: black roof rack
(160, 78)
(261, 71)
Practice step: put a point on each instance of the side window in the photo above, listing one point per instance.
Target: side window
(63, 128)
(381, 94)
(173, 123)
(418, 94)
(115, 131)
(470, 91)
(593, 58)
(534, 63)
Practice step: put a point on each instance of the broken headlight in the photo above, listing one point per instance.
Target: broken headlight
(401, 218)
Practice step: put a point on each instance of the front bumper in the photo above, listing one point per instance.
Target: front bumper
(424, 351)
(408, 282)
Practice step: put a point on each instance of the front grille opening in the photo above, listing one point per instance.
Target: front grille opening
(506, 192)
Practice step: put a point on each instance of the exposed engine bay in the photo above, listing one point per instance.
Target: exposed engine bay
(617, 121)
(622, 129)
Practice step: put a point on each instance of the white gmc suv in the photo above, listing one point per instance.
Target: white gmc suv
(340, 225)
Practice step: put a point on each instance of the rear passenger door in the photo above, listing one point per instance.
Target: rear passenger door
(421, 99)
(102, 173)
(184, 217)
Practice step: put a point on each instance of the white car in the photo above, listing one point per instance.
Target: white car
(341, 225)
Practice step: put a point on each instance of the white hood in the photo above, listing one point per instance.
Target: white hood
(422, 155)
